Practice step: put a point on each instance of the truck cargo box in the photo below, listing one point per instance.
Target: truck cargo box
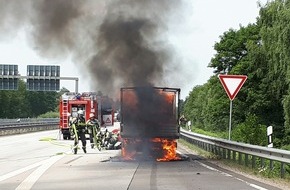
(149, 112)
(149, 120)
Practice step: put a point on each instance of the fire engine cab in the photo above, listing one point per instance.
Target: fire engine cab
(89, 102)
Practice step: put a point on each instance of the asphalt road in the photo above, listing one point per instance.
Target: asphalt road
(41, 161)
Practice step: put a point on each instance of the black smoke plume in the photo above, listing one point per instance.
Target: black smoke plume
(117, 43)
(130, 47)
(114, 42)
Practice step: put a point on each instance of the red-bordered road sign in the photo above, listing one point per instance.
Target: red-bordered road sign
(232, 84)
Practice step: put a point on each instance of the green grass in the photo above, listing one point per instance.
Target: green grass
(216, 134)
(198, 150)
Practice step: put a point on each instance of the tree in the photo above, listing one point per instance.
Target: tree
(275, 33)
(262, 52)
(232, 48)
(22, 103)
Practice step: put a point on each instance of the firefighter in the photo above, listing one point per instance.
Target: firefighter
(93, 130)
(113, 141)
(182, 121)
(69, 118)
(70, 121)
(79, 128)
(106, 138)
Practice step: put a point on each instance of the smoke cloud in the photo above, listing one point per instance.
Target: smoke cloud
(116, 42)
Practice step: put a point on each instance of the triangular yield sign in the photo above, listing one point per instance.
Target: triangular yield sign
(108, 120)
(232, 84)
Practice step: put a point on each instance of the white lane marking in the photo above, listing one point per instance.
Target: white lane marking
(228, 175)
(35, 175)
(257, 187)
(17, 172)
(211, 168)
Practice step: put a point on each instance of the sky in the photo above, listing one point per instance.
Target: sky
(191, 34)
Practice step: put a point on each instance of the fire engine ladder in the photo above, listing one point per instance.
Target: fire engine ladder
(64, 113)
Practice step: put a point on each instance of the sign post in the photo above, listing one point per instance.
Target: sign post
(230, 120)
(232, 85)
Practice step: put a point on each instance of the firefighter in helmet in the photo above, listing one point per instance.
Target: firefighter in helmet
(93, 129)
(70, 122)
(69, 118)
(79, 128)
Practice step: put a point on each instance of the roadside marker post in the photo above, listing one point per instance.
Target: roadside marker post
(232, 85)
(269, 134)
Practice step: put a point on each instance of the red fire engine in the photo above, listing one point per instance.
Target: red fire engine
(89, 102)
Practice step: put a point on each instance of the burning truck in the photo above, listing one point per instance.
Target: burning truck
(149, 123)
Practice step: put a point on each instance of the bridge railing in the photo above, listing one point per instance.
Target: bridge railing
(240, 152)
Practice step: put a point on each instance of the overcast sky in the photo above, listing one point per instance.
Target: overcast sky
(192, 38)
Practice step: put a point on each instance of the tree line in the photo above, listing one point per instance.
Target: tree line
(261, 51)
(22, 103)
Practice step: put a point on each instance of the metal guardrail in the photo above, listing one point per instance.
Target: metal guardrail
(28, 120)
(10, 128)
(241, 152)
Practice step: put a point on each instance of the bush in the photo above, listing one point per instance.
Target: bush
(49, 115)
(250, 132)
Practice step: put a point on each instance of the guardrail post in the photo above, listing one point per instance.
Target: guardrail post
(217, 150)
(240, 158)
(220, 152)
(246, 159)
(271, 165)
(253, 162)
(234, 155)
(229, 154)
(262, 162)
(224, 153)
(282, 170)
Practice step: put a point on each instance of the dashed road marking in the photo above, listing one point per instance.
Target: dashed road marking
(228, 175)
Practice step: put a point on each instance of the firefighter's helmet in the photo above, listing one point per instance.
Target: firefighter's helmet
(81, 112)
(92, 115)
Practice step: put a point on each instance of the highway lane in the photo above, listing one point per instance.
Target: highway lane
(28, 163)
(18, 151)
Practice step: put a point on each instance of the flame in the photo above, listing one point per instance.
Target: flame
(128, 155)
(169, 147)
(129, 152)
(161, 149)
(168, 96)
